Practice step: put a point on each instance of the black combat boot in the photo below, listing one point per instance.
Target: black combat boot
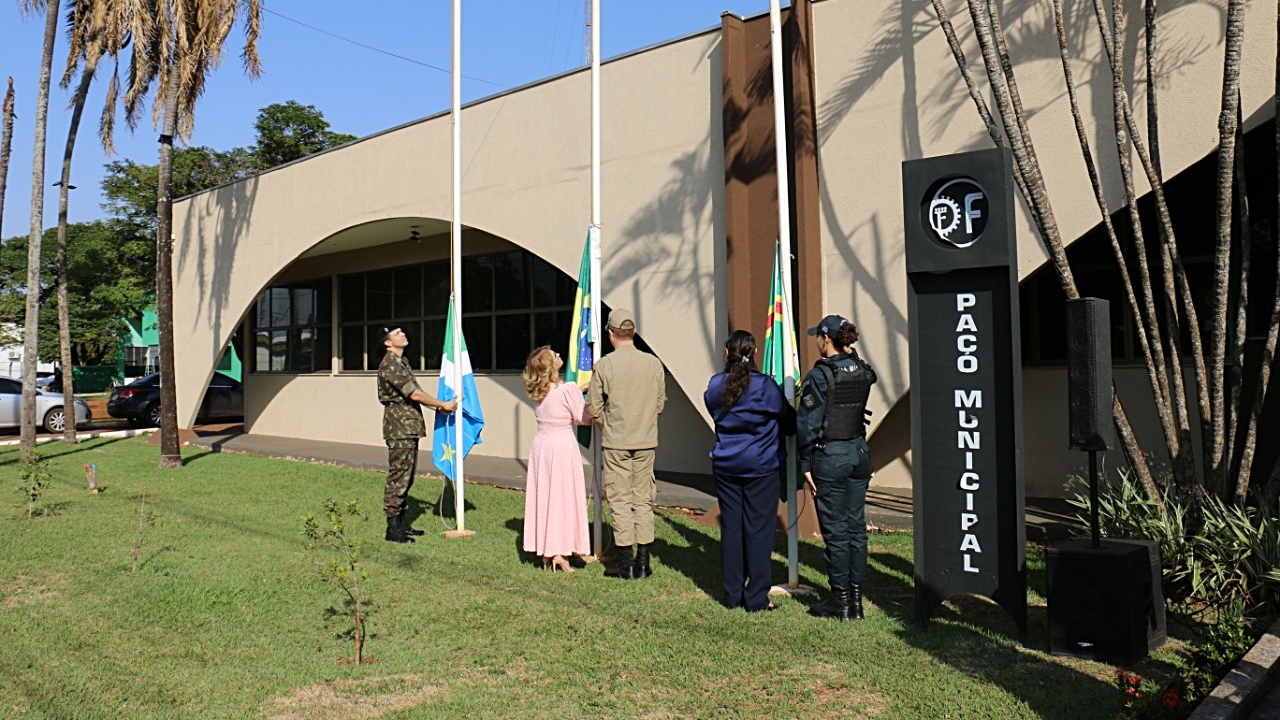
(836, 606)
(395, 530)
(409, 529)
(642, 561)
(855, 601)
(625, 568)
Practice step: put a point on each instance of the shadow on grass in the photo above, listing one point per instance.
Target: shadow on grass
(42, 449)
(147, 557)
(202, 454)
(699, 558)
(969, 633)
(444, 505)
(978, 638)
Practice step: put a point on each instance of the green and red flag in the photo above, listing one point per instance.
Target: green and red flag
(781, 361)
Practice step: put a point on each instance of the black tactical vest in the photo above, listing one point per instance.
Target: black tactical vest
(848, 387)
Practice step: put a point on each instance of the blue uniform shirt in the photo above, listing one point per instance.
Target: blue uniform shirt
(749, 434)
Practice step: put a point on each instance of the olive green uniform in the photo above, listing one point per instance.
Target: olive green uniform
(402, 425)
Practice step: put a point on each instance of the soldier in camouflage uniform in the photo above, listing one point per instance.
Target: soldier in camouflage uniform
(402, 424)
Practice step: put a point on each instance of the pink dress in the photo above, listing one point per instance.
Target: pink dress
(555, 502)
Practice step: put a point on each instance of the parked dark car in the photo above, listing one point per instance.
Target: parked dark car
(139, 401)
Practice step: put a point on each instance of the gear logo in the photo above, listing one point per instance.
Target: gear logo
(955, 212)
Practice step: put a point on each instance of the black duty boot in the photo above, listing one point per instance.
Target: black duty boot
(642, 561)
(855, 601)
(395, 530)
(836, 606)
(625, 568)
(409, 529)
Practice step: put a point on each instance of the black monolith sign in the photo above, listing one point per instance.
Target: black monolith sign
(966, 381)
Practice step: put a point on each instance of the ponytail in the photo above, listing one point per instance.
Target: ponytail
(739, 361)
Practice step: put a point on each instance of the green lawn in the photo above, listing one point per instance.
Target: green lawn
(225, 617)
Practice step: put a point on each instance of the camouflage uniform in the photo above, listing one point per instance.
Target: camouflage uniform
(402, 425)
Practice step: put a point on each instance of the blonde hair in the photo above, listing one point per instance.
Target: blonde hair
(539, 373)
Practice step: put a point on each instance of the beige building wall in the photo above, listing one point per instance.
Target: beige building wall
(526, 162)
(888, 90)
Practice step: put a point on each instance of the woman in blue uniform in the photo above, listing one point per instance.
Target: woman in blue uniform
(835, 460)
(751, 416)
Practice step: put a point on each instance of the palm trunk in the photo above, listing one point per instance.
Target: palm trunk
(1153, 114)
(6, 144)
(30, 345)
(1236, 374)
(1125, 431)
(1004, 88)
(1165, 362)
(1272, 486)
(64, 312)
(944, 19)
(1170, 265)
(1215, 467)
(170, 447)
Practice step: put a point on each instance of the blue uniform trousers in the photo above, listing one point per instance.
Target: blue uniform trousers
(841, 471)
(748, 516)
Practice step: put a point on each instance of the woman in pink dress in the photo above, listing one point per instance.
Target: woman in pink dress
(555, 504)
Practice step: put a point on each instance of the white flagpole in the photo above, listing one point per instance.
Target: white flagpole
(784, 238)
(597, 460)
(456, 258)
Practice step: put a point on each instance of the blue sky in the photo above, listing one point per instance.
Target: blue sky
(505, 44)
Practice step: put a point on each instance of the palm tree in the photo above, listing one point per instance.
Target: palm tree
(6, 144)
(176, 44)
(87, 45)
(1159, 297)
(30, 332)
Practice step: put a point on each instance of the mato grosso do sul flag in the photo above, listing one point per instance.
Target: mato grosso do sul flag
(443, 442)
(581, 360)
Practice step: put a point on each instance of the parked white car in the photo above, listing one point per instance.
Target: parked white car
(49, 411)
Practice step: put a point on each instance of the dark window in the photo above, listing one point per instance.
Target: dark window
(499, 292)
(292, 326)
(511, 281)
(550, 286)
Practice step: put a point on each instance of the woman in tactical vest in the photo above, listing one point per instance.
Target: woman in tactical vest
(835, 460)
(752, 415)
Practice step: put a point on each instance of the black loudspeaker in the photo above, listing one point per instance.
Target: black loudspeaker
(1089, 373)
(1105, 602)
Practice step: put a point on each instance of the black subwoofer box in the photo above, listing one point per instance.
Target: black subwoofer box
(1105, 603)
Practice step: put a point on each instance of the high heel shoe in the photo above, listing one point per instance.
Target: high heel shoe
(560, 563)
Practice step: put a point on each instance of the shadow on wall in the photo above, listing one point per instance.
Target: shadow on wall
(903, 25)
(658, 247)
(1032, 36)
(212, 259)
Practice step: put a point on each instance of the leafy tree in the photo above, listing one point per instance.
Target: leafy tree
(173, 47)
(130, 187)
(290, 130)
(109, 276)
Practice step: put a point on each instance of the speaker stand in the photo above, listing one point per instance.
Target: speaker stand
(1093, 498)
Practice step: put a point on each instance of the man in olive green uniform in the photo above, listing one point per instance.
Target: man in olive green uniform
(627, 393)
(402, 424)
